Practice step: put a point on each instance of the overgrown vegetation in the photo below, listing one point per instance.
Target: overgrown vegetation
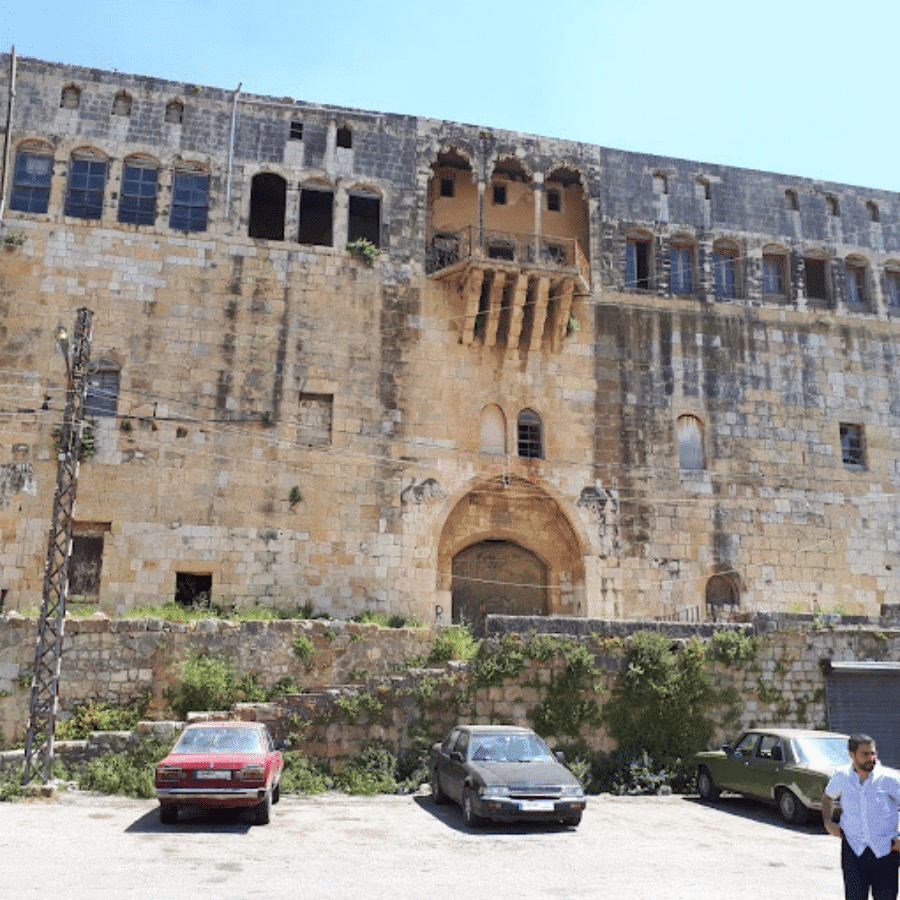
(364, 250)
(96, 715)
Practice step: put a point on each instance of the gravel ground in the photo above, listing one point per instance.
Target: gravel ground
(81, 845)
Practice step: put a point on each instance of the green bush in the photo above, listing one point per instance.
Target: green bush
(634, 772)
(661, 700)
(129, 773)
(732, 648)
(207, 682)
(371, 771)
(303, 776)
(456, 642)
(99, 716)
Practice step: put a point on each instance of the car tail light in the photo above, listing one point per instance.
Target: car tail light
(169, 773)
(251, 773)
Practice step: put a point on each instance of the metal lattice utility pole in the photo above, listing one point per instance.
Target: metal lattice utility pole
(48, 650)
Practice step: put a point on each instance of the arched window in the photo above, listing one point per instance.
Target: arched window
(268, 198)
(87, 181)
(137, 201)
(493, 430)
(31, 178)
(722, 598)
(174, 112)
(681, 265)
(103, 388)
(530, 435)
(690, 443)
(725, 269)
(190, 198)
(122, 104)
(70, 97)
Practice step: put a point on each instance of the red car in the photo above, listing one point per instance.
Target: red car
(215, 764)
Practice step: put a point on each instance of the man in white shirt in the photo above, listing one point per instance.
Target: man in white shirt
(869, 822)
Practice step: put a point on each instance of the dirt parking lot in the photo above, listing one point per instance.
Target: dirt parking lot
(81, 846)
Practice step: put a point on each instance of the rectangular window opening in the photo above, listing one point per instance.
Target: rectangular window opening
(316, 217)
(296, 132)
(852, 446)
(364, 219)
(816, 287)
(499, 194)
(637, 264)
(193, 589)
(448, 188)
(190, 198)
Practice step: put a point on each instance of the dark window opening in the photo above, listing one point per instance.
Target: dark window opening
(316, 217)
(831, 205)
(102, 389)
(268, 199)
(296, 132)
(31, 182)
(637, 263)
(85, 564)
(852, 446)
(344, 138)
(448, 188)
(190, 198)
(501, 250)
(722, 599)
(364, 219)
(137, 203)
(499, 194)
(873, 211)
(791, 200)
(530, 441)
(84, 197)
(192, 589)
(816, 287)
(554, 201)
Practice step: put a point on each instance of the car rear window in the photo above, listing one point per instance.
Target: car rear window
(220, 740)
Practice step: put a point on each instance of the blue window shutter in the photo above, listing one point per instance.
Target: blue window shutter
(718, 262)
(630, 265)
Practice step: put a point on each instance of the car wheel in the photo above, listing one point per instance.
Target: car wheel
(470, 817)
(168, 813)
(263, 811)
(706, 787)
(276, 793)
(437, 792)
(790, 808)
(574, 820)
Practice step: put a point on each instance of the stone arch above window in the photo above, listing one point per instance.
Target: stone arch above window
(70, 97)
(32, 175)
(723, 599)
(102, 388)
(530, 432)
(690, 443)
(174, 112)
(268, 202)
(492, 431)
(122, 103)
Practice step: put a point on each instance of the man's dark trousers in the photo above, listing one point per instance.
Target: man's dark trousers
(863, 872)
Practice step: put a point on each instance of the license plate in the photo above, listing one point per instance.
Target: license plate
(537, 805)
(210, 774)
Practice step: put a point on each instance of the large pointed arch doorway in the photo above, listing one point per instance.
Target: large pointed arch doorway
(497, 577)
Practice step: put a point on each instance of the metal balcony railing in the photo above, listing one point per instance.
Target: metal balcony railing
(447, 248)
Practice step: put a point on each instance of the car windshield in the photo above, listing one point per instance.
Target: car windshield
(510, 748)
(821, 751)
(219, 740)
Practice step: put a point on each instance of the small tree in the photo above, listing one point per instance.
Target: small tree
(661, 699)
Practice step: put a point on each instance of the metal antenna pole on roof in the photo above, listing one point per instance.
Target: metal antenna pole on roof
(48, 649)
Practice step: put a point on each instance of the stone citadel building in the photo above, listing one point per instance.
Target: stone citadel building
(575, 381)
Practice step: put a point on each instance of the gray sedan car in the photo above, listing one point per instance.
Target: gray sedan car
(503, 772)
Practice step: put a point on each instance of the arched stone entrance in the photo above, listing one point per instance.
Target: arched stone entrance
(509, 546)
(497, 577)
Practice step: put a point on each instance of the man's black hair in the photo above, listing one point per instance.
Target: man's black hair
(857, 739)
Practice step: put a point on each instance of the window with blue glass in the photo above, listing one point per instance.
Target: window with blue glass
(773, 273)
(680, 262)
(31, 182)
(87, 179)
(637, 262)
(723, 271)
(190, 199)
(137, 204)
(892, 290)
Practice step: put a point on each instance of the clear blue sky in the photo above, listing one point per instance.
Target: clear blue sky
(792, 86)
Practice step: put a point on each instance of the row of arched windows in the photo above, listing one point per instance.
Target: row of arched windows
(70, 98)
(529, 433)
